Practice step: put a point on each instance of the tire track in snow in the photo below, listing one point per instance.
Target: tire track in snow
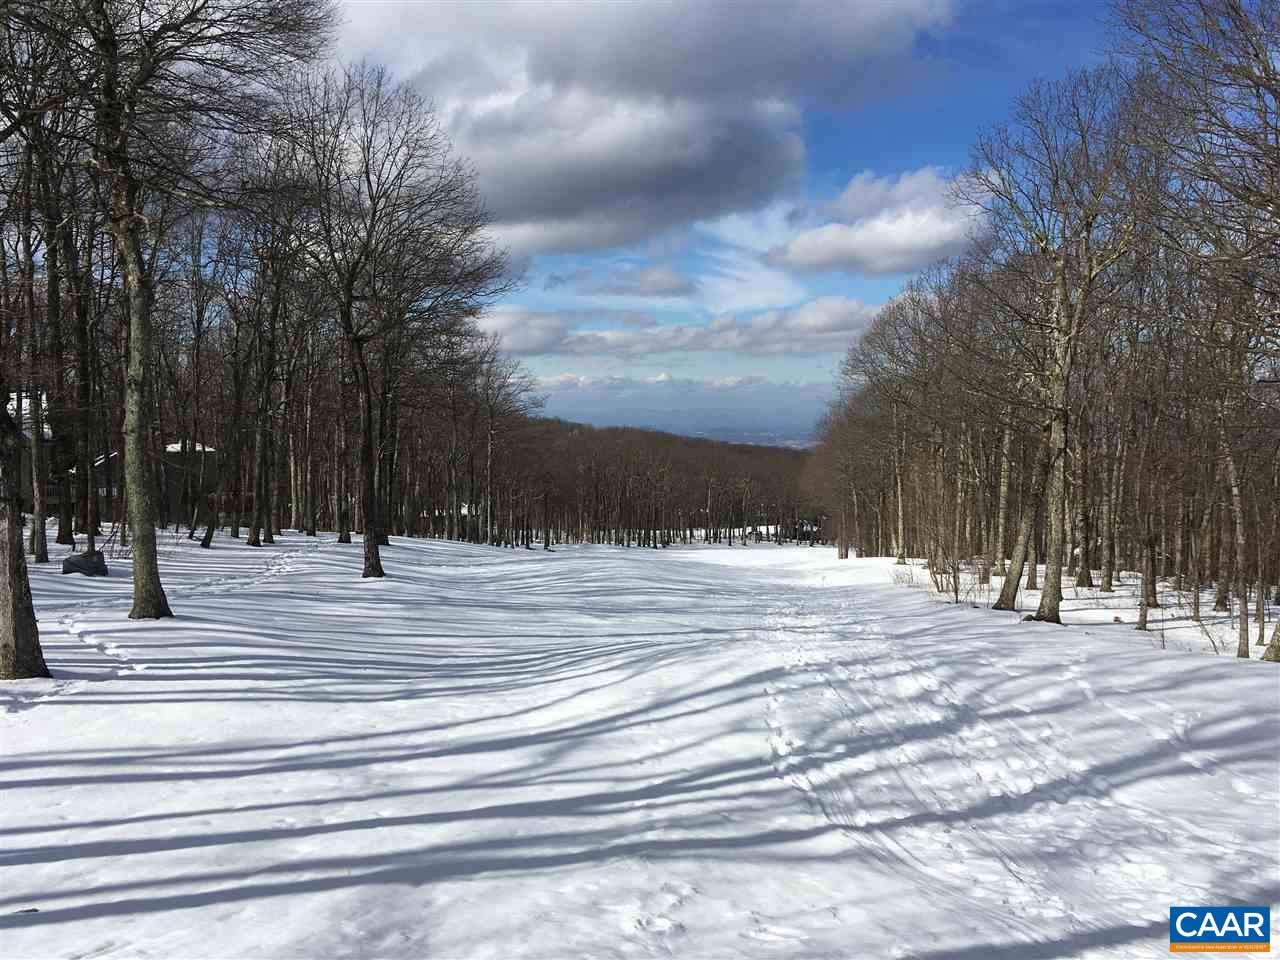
(958, 864)
(987, 792)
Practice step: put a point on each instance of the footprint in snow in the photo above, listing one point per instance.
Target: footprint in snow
(772, 932)
(1243, 787)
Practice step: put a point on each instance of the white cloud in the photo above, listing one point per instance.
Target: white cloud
(656, 281)
(885, 225)
(617, 384)
(759, 230)
(889, 243)
(524, 331)
(738, 281)
(867, 195)
(824, 325)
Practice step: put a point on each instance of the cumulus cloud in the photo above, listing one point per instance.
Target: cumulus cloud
(756, 230)
(525, 331)
(890, 243)
(709, 48)
(595, 125)
(824, 325)
(659, 280)
(883, 225)
(576, 170)
(867, 195)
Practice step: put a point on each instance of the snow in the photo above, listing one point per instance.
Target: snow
(1169, 626)
(604, 752)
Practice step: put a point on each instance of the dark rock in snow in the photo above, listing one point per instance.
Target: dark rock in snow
(90, 564)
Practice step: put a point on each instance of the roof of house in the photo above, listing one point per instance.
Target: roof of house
(23, 415)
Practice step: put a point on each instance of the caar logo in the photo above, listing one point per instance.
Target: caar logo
(1219, 929)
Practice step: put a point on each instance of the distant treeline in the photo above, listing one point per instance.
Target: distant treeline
(627, 486)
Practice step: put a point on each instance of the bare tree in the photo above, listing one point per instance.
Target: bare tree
(1052, 183)
(203, 65)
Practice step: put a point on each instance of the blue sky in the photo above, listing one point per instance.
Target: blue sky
(709, 200)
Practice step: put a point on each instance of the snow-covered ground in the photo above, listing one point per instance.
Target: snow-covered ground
(604, 752)
(1171, 625)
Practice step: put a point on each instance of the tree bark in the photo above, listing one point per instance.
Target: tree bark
(368, 467)
(149, 600)
(1026, 530)
(20, 653)
(1237, 510)
(1002, 515)
(125, 225)
(1051, 592)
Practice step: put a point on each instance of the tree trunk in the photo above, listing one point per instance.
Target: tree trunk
(20, 653)
(126, 224)
(1221, 568)
(1024, 545)
(1272, 653)
(1260, 613)
(1033, 562)
(38, 391)
(85, 482)
(901, 545)
(1051, 593)
(254, 539)
(368, 468)
(1237, 510)
(1148, 566)
(149, 601)
(1002, 516)
(1083, 524)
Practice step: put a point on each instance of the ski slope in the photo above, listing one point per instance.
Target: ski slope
(701, 752)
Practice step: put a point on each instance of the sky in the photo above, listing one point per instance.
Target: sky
(707, 201)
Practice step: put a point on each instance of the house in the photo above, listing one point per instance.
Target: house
(198, 463)
(19, 407)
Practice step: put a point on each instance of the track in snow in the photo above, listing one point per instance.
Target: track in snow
(701, 752)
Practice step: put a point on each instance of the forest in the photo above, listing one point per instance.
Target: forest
(239, 290)
(1094, 386)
